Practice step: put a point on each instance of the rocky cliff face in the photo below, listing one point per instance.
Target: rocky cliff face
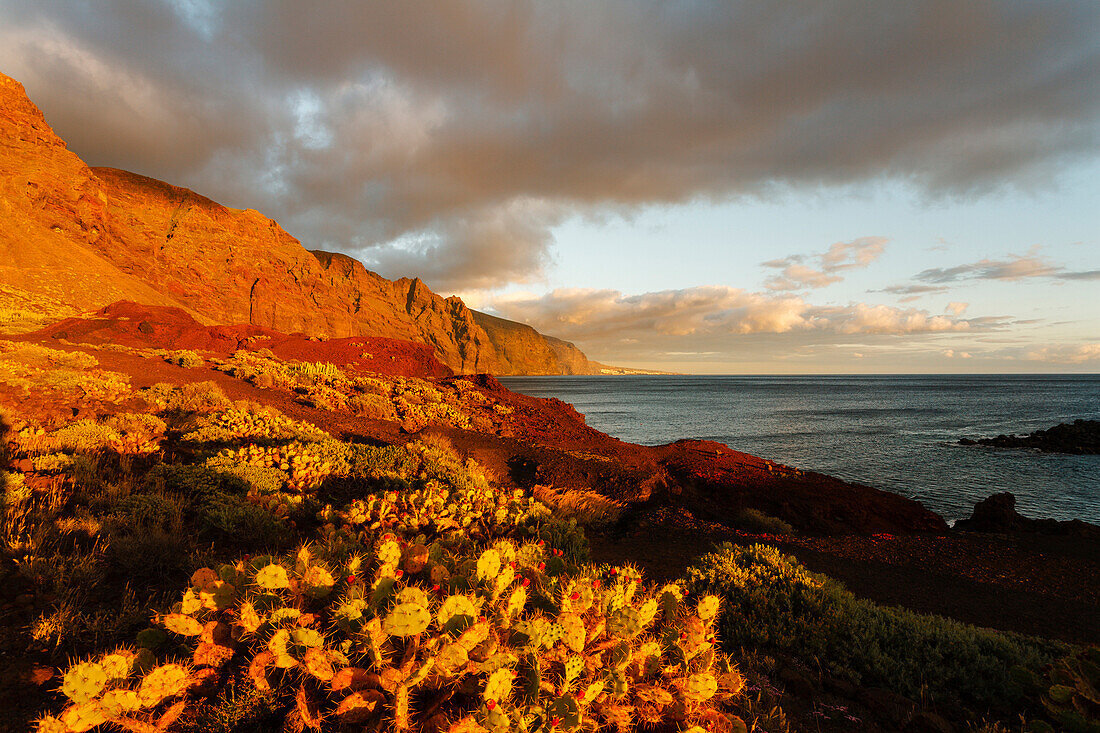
(76, 238)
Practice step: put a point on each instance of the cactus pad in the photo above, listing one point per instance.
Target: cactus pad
(318, 581)
(412, 594)
(115, 702)
(573, 631)
(488, 565)
(389, 553)
(708, 607)
(272, 577)
(117, 666)
(498, 686)
(181, 624)
(162, 682)
(407, 619)
(453, 606)
(248, 618)
(83, 682)
(306, 638)
(416, 558)
(80, 718)
(574, 665)
(699, 687)
(50, 724)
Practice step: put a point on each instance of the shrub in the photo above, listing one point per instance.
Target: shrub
(253, 423)
(563, 535)
(183, 358)
(756, 522)
(149, 510)
(198, 484)
(84, 436)
(195, 397)
(773, 603)
(243, 523)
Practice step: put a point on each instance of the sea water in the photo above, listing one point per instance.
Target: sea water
(897, 433)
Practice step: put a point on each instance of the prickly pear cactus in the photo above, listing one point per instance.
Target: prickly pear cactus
(407, 619)
(407, 613)
(83, 682)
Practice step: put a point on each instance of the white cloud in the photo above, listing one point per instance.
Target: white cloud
(956, 308)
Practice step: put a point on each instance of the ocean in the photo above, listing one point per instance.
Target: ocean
(896, 433)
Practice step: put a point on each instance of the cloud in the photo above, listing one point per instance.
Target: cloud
(714, 313)
(412, 133)
(956, 308)
(1014, 268)
(1065, 354)
(911, 292)
(504, 244)
(1083, 275)
(795, 275)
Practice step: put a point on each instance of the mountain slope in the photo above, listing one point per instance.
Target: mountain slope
(76, 238)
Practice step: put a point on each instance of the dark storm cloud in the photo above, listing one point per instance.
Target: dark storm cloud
(414, 134)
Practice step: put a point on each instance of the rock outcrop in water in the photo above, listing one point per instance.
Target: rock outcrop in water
(997, 514)
(1080, 437)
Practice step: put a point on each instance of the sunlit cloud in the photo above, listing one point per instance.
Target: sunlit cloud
(596, 315)
(1065, 354)
(795, 274)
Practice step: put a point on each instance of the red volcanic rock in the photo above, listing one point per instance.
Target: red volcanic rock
(141, 326)
(77, 238)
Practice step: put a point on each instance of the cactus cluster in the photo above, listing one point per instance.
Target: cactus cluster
(401, 635)
(436, 509)
(253, 423)
(124, 689)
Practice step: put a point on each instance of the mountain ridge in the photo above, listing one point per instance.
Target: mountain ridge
(77, 238)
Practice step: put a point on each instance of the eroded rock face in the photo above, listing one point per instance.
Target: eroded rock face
(53, 211)
(77, 238)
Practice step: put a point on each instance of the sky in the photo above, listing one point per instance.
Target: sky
(702, 187)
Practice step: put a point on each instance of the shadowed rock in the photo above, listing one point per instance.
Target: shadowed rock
(1080, 437)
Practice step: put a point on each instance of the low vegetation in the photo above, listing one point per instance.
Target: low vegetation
(195, 563)
(772, 603)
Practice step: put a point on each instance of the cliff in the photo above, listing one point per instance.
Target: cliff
(76, 239)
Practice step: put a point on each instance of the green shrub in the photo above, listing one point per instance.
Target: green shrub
(773, 603)
(245, 524)
(756, 522)
(197, 483)
(261, 480)
(152, 554)
(377, 461)
(149, 510)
